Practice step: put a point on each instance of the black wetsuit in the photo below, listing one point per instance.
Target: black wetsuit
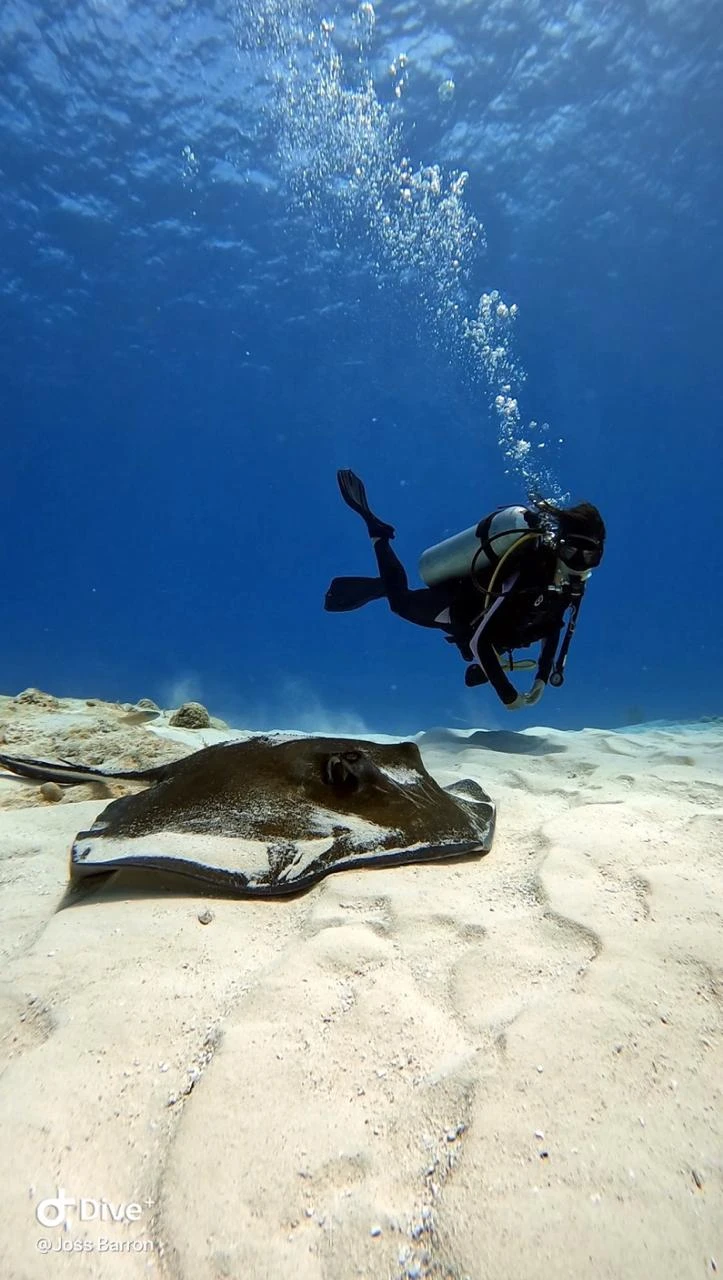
(526, 607)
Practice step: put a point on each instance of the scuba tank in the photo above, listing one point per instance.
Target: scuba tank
(478, 548)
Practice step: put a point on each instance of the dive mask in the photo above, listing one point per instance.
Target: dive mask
(579, 553)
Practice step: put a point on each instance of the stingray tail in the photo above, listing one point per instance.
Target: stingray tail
(67, 774)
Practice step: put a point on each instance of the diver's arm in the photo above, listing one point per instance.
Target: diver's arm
(547, 655)
(544, 667)
(490, 664)
(485, 654)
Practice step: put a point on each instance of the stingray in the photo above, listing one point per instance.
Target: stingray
(268, 816)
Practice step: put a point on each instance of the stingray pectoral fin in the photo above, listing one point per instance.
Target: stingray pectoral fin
(471, 797)
(81, 855)
(95, 854)
(467, 789)
(446, 851)
(91, 858)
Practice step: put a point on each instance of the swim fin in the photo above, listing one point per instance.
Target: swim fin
(474, 675)
(355, 496)
(345, 594)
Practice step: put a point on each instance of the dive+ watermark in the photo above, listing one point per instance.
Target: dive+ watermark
(66, 1244)
(64, 1212)
(55, 1211)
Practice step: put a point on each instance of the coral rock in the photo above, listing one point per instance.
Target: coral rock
(36, 698)
(190, 716)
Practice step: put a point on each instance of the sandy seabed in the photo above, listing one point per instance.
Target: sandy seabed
(508, 1067)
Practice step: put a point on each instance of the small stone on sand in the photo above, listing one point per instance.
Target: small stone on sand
(51, 791)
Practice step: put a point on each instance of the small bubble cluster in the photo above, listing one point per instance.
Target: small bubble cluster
(490, 337)
(190, 165)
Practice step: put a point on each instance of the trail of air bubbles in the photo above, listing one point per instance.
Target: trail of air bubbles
(342, 155)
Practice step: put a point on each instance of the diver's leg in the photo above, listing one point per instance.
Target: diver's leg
(422, 606)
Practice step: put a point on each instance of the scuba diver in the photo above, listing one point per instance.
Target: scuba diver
(502, 585)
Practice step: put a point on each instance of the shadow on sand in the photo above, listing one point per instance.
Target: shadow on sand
(504, 740)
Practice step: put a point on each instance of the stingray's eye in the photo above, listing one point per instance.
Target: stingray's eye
(352, 756)
(339, 773)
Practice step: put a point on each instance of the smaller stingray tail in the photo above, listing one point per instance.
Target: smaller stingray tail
(346, 594)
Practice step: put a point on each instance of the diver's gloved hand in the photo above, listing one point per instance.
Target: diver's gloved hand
(517, 703)
(535, 693)
(527, 699)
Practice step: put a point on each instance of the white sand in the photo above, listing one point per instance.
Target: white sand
(505, 1068)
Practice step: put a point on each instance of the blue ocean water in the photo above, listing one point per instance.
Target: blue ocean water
(237, 253)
